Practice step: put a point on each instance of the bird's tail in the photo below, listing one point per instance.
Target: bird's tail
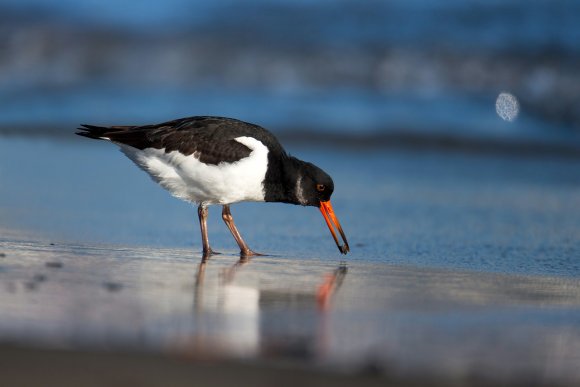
(100, 132)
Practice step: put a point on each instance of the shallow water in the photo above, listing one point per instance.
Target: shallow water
(486, 213)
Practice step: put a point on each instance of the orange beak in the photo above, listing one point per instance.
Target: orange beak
(332, 222)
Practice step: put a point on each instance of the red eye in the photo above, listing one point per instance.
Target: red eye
(320, 187)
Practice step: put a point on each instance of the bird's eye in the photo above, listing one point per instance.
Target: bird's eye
(320, 187)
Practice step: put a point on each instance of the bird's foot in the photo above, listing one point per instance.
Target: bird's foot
(249, 253)
(208, 253)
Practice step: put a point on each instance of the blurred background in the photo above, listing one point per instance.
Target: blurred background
(382, 72)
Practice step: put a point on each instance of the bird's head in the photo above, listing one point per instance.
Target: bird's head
(314, 187)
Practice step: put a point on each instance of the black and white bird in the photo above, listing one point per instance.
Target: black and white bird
(215, 160)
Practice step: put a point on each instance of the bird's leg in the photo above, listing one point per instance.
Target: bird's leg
(202, 214)
(229, 220)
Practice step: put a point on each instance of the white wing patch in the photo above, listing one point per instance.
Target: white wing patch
(189, 179)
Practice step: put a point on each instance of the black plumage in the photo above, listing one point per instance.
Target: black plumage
(210, 138)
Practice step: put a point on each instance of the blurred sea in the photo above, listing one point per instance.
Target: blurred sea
(401, 70)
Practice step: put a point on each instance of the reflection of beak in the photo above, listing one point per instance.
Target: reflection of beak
(332, 222)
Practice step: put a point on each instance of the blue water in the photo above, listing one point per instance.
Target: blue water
(489, 23)
(458, 211)
(421, 68)
(345, 112)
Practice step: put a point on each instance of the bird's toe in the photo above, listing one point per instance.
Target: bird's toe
(249, 253)
(208, 253)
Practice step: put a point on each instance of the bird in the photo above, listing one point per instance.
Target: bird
(209, 160)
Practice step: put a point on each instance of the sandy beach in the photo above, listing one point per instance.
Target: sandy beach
(125, 306)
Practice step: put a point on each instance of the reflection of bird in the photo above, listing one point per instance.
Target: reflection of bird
(332, 282)
(214, 160)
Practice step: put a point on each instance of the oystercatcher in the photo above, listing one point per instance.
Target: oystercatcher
(215, 160)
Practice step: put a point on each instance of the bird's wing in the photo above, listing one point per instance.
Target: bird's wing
(212, 139)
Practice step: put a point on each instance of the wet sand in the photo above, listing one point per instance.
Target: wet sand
(26, 367)
(366, 322)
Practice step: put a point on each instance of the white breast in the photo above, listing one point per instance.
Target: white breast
(189, 179)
